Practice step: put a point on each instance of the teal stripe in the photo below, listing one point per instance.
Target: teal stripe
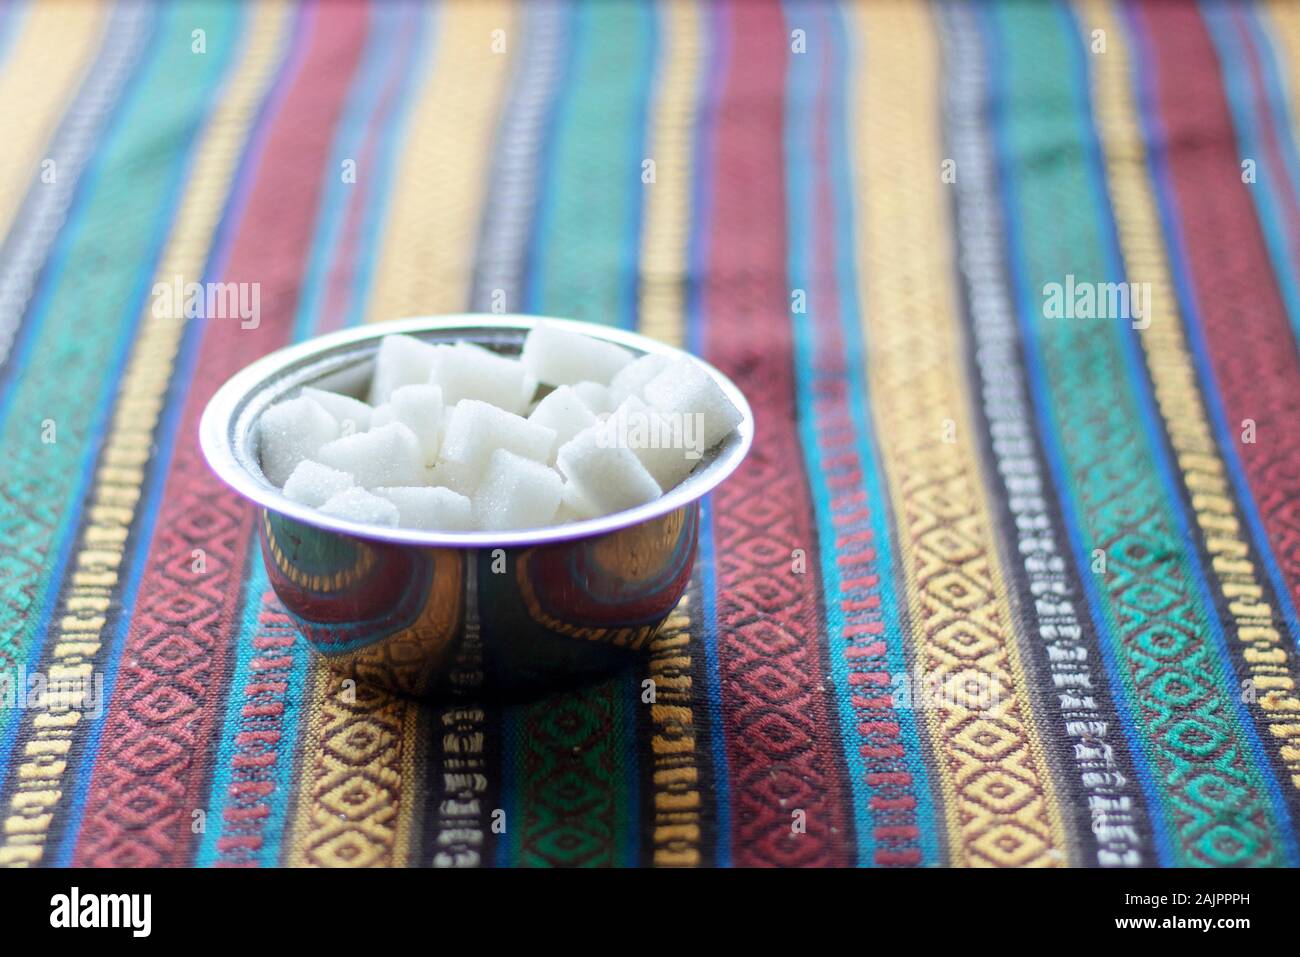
(1212, 787)
(1184, 519)
(590, 212)
(102, 92)
(79, 336)
(586, 254)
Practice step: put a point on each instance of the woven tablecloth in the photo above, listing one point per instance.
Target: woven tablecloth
(1010, 577)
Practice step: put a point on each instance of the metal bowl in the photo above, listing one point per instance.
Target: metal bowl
(425, 613)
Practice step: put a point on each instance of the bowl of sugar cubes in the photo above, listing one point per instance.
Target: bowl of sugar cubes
(477, 504)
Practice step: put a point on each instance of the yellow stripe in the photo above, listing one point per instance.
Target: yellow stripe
(426, 266)
(428, 253)
(360, 769)
(77, 639)
(677, 802)
(664, 245)
(667, 221)
(1284, 17)
(52, 53)
(999, 797)
(1256, 622)
(358, 793)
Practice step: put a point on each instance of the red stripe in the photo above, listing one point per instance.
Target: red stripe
(1252, 349)
(342, 286)
(160, 726)
(779, 712)
(1289, 208)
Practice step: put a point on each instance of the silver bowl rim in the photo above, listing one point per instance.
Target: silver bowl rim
(224, 432)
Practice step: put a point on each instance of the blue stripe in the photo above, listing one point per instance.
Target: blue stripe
(1283, 246)
(801, 93)
(508, 783)
(510, 725)
(48, 282)
(802, 90)
(280, 798)
(51, 275)
(630, 693)
(572, 37)
(868, 451)
(160, 464)
(99, 420)
(376, 213)
(996, 65)
(349, 142)
(511, 736)
(1135, 366)
(629, 316)
(697, 255)
(11, 25)
(1279, 96)
(1224, 434)
(376, 66)
(640, 150)
(336, 195)
(136, 305)
(1180, 268)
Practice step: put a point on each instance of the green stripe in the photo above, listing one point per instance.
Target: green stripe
(575, 801)
(1208, 787)
(85, 327)
(586, 255)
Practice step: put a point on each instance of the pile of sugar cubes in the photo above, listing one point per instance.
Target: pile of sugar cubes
(461, 438)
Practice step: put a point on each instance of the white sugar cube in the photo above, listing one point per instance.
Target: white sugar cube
(564, 412)
(516, 493)
(669, 446)
(351, 414)
(475, 430)
(314, 484)
(685, 389)
(631, 379)
(289, 432)
(387, 456)
(459, 478)
(575, 506)
(610, 477)
(469, 371)
(430, 508)
(358, 505)
(419, 408)
(594, 396)
(565, 515)
(558, 357)
(401, 360)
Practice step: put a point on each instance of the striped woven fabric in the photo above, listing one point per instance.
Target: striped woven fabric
(1010, 577)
